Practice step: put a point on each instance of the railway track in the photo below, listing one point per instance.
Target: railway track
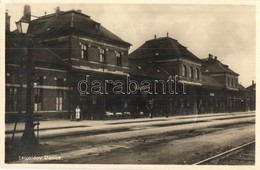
(241, 155)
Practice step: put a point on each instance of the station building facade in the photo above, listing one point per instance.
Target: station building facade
(68, 47)
(210, 86)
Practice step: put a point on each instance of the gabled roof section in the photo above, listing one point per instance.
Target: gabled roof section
(163, 48)
(71, 21)
(213, 65)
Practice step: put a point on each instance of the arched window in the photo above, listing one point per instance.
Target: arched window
(236, 82)
(197, 73)
(184, 71)
(191, 75)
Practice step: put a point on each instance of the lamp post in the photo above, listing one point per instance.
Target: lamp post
(28, 137)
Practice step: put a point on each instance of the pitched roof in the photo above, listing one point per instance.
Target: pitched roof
(251, 87)
(147, 70)
(16, 53)
(163, 48)
(241, 88)
(211, 65)
(44, 55)
(71, 22)
(14, 48)
(208, 81)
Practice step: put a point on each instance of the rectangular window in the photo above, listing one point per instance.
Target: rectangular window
(102, 57)
(94, 99)
(191, 72)
(58, 103)
(39, 80)
(181, 104)
(11, 78)
(59, 94)
(197, 74)
(118, 58)
(59, 100)
(15, 104)
(84, 51)
(13, 90)
(235, 83)
(184, 71)
(60, 82)
(12, 99)
(38, 99)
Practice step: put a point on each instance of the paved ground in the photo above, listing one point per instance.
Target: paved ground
(174, 140)
(53, 128)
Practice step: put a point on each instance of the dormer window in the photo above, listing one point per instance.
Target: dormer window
(96, 26)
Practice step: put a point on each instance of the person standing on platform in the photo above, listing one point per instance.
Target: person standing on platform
(77, 111)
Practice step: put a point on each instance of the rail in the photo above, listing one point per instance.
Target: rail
(222, 155)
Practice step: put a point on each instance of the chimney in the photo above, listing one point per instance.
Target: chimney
(79, 10)
(154, 36)
(253, 82)
(57, 10)
(216, 58)
(210, 56)
(7, 22)
(26, 13)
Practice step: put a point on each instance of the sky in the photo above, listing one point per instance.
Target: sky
(226, 31)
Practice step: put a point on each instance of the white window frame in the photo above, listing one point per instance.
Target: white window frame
(102, 55)
(84, 51)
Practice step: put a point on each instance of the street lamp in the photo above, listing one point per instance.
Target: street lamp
(22, 26)
(28, 137)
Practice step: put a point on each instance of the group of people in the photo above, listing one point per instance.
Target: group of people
(134, 112)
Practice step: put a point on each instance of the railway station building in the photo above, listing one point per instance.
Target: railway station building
(69, 51)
